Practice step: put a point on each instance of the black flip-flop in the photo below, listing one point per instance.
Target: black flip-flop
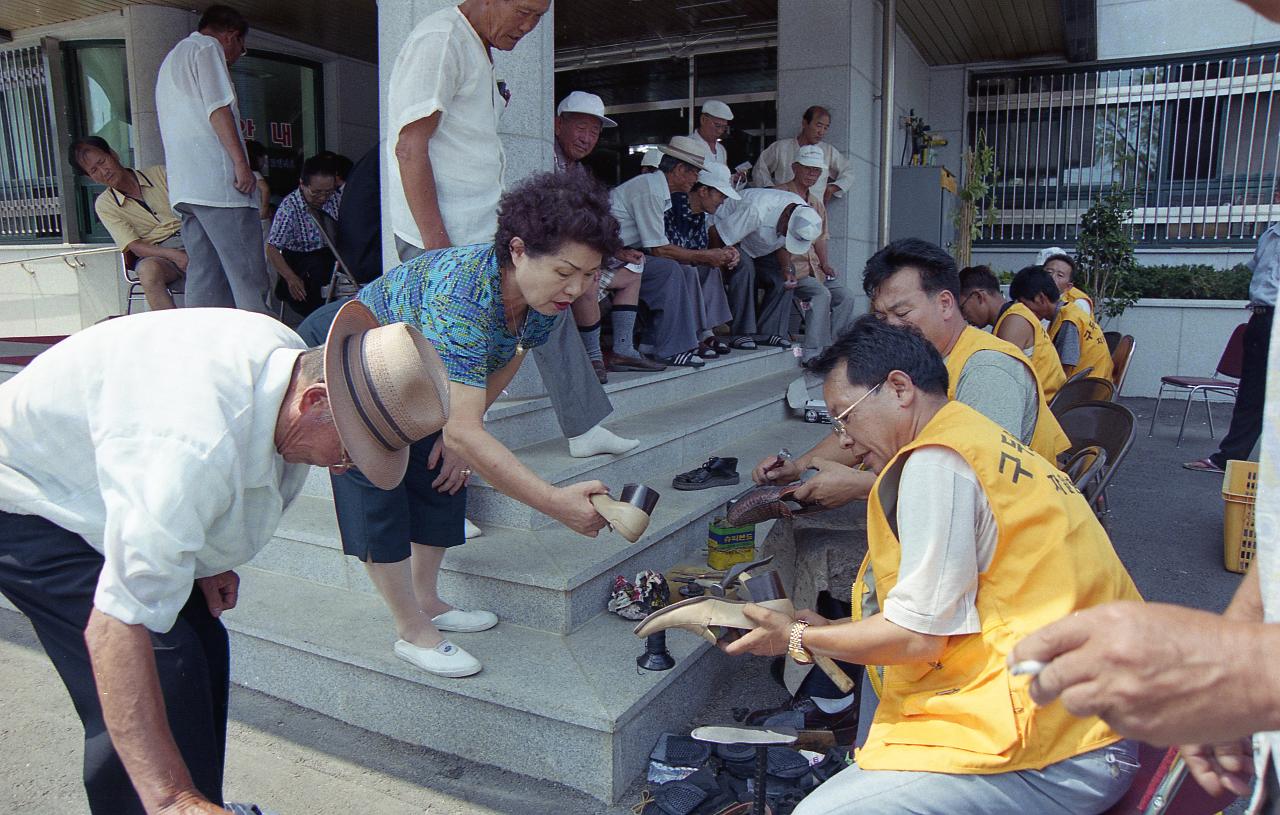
(743, 344)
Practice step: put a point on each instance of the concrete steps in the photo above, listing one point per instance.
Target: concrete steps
(560, 697)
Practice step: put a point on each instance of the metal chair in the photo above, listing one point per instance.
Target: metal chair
(341, 278)
(1230, 364)
(128, 266)
(1121, 356)
(1078, 375)
(1113, 339)
(1109, 425)
(1086, 389)
(1158, 788)
(1084, 468)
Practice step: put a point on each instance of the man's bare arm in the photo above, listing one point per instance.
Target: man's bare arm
(124, 669)
(419, 182)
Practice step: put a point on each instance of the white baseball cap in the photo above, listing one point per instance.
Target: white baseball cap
(1045, 254)
(718, 109)
(588, 103)
(811, 155)
(716, 175)
(803, 229)
(651, 158)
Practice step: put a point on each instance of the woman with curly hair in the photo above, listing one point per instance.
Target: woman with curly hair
(483, 307)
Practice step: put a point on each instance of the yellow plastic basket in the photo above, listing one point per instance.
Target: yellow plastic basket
(1239, 491)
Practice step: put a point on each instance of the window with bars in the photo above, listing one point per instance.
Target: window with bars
(1194, 144)
(30, 190)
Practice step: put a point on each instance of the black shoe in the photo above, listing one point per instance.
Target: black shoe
(804, 714)
(716, 472)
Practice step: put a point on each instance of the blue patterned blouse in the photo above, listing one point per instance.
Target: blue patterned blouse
(453, 296)
(684, 228)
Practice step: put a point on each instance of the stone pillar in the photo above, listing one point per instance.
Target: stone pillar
(151, 32)
(529, 72)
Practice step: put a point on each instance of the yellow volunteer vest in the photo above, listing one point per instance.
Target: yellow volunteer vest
(966, 714)
(1094, 352)
(1073, 294)
(1048, 439)
(1044, 357)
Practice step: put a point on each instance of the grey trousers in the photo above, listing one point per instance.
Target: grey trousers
(576, 395)
(673, 295)
(226, 265)
(775, 311)
(829, 313)
(715, 300)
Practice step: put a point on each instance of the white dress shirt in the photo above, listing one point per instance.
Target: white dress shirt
(752, 223)
(1266, 268)
(717, 154)
(640, 206)
(445, 67)
(192, 84)
(153, 437)
(774, 167)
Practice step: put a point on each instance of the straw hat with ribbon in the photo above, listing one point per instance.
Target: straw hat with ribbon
(387, 389)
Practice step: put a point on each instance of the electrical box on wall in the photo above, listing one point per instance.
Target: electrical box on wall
(921, 204)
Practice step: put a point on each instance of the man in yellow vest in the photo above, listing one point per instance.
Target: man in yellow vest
(914, 282)
(1077, 336)
(974, 541)
(983, 304)
(1062, 268)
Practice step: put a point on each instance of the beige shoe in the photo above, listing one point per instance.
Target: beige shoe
(700, 614)
(629, 516)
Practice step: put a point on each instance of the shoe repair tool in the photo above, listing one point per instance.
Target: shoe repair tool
(784, 455)
(629, 514)
(761, 738)
(767, 503)
(765, 586)
(656, 657)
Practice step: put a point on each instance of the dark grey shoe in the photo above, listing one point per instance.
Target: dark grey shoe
(716, 472)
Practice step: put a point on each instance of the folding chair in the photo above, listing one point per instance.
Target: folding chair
(1121, 356)
(1230, 364)
(1085, 468)
(1084, 389)
(327, 226)
(1080, 374)
(1113, 340)
(1108, 425)
(1161, 787)
(128, 266)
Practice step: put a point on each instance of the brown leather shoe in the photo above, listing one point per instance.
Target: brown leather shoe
(765, 503)
(623, 362)
(602, 373)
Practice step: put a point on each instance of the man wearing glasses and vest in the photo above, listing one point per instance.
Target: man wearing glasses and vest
(974, 541)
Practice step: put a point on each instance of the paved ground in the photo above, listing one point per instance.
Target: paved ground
(1166, 524)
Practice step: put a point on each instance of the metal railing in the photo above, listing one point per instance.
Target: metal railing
(1195, 145)
(30, 190)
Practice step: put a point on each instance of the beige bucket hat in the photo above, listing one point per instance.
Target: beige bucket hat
(387, 389)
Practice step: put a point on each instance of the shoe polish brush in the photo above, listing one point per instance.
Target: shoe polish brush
(628, 514)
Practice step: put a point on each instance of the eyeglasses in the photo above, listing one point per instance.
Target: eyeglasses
(838, 427)
(964, 300)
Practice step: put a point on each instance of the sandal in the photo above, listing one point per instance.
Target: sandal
(706, 351)
(718, 345)
(1204, 465)
(685, 359)
(775, 341)
(743, 344)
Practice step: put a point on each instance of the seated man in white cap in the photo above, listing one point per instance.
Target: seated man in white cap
(670, 286)
(132, 484)
(579, 121)
(713, 124)
(774, 165)
(770, 228)
(649, 161)
(827, 306)
(1059, 264)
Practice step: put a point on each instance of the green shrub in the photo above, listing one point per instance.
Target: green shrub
(1196, 281)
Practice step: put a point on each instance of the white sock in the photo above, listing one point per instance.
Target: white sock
(470, 529)
(833, 705)
(599, 440)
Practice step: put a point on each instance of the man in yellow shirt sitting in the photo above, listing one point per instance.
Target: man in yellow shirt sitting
(974, 541)
(1077, 336)
(134, 208)
(983, 304)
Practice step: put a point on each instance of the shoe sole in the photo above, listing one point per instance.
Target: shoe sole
(642, 369)
(447, 674)
(469, 630)
(723, 481)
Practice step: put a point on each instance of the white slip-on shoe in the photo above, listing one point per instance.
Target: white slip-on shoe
(466, 622)
(446, 659)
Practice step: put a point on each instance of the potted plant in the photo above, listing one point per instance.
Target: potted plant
(978, 178)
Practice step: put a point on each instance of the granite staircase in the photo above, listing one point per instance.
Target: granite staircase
(560, 696)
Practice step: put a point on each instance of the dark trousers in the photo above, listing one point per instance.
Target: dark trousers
(316, 270)
(50, 574)
(817, 683)
(1246, 418)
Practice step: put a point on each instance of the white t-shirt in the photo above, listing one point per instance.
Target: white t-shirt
(153, 437)
(194, 82)
(948, 536)
(639, 205)
(444, 67)
(752, 223)
(717, 155)
(774, 167)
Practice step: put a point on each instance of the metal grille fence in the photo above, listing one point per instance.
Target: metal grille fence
(1195, 145)
(30, 195)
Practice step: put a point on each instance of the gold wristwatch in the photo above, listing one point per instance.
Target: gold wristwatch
(795, 644)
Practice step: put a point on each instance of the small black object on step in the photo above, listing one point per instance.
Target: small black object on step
(715, 472)
(656, 657)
